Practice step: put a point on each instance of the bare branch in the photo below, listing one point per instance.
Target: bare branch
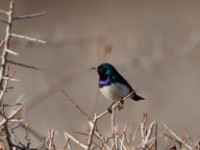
(27, 38)
(123, 137)
(3, 11)
(30, 16)
(11, 79)
(150, 131)
(75, 140)
(197, 144)
(174, 140)
(155, 135)
(113, 130)
(15, 104)
(115, 105)
(66, 144)
(72, 101)
(2, 92)
(177, 137)
(17, 125)
(51, 144)
(11, 115)
(5, 84)
(39, 136)
(141, 146)
(27, 138)
(11, 52)
(16, 120)
(83, 134)
(133, 134)
(7, 123)
(49, 141)
(23, 65)
(115, 137)
(4, 55)
(8, 137)
(4, 21)
(92, 128)
(2, 42)
(148, 136)
(102, 139)
(96, 133)
(142, 126)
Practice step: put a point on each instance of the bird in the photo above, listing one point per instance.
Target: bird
(113, 86)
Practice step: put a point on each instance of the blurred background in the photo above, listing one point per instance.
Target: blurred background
(154, 45)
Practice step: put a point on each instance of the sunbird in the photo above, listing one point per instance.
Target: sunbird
(113, 86)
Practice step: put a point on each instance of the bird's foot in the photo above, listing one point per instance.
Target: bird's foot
(122, 101)
(110, 110)
(120, 106)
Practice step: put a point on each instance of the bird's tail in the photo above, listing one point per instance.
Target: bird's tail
(137, 97)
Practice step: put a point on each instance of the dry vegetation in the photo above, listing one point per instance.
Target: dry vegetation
(91, 139)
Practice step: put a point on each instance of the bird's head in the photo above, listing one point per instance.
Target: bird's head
(104, 70)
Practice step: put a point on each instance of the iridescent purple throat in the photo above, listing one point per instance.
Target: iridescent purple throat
(105, 82)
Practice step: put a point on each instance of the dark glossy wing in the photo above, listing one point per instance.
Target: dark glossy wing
(118, 78)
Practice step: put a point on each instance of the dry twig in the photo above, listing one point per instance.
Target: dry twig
(30, 16)
(75, 105)
(177, 137)
(11, 115)
(148, 135)
(49, 141)
(8, 123)
(3, 12)
(92, 128)
(142, 126)
(76, 141)
(23, 65)
(27, 38)
(123, 137)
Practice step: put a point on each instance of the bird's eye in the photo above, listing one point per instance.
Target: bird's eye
(101, 69)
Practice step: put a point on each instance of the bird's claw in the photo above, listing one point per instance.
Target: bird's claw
(122, 102)
(110, 110)
(120, 106)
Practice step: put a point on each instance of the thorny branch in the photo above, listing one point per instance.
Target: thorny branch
(148, 135)
(7, 123)
(75, 140)
(93, 124)
(114, 106)
(96, 133)
(11, 115)
(3, 12)
(75, 105)
(49, 141)
(177, 137)
(30, 16)
(4, 55)
(120, 141)
(27, 38)
(23, 65)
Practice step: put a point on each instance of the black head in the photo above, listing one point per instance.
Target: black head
(104, 70)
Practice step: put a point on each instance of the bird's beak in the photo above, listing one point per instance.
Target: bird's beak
(93, 68)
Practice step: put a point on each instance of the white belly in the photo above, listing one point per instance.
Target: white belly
(115, 91)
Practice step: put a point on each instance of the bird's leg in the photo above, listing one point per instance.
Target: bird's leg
(120, 105)
(122, 101)
(110, 108)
